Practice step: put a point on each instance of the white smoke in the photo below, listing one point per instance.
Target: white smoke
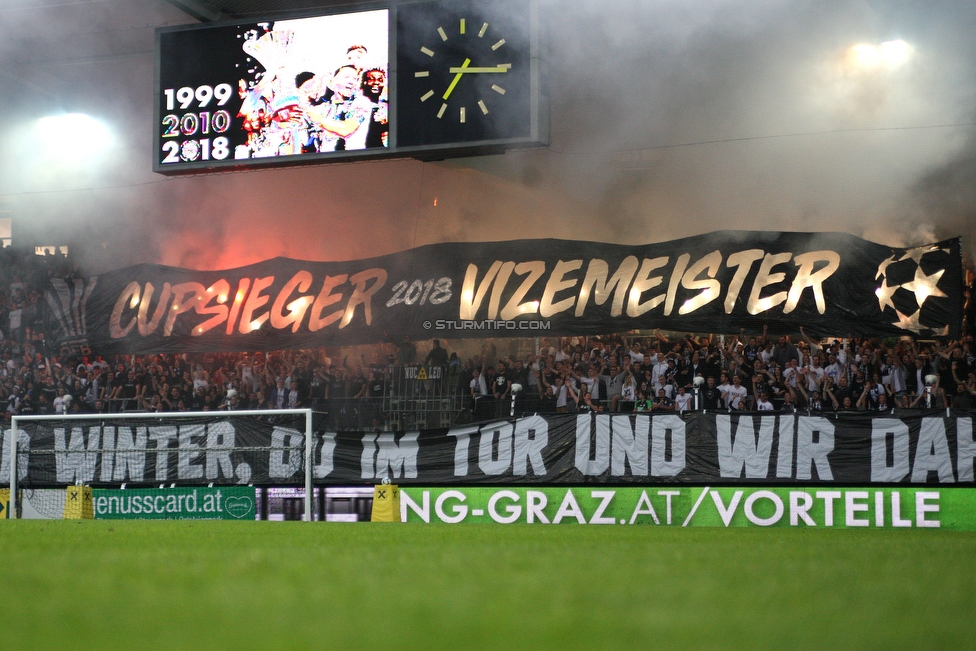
(668, 119)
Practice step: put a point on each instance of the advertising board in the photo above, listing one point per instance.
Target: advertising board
(196, 503)
(838, 508)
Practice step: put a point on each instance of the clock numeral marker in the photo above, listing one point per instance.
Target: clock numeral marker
(484, 109)
(426, 96)
(484, 28)
(498, 89)
(463, 25)
(462, 114)
(422, 73)
(440, 30)
(427, 51)
(440, 113)
(498, 44)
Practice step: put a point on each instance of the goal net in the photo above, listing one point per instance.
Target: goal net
(189, 464)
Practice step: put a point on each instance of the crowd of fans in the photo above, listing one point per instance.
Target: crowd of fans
(615, 373)
(621, 374)
(603, 374)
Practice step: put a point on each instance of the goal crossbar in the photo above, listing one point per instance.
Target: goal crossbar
(15, 420)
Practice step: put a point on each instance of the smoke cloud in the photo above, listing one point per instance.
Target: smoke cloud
(668, 119)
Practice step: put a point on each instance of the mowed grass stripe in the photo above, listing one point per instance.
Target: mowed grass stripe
(261, 585)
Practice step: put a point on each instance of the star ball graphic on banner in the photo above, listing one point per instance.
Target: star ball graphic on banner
(909, 278)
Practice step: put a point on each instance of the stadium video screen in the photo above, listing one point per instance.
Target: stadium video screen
(275, 90)
(427, 79)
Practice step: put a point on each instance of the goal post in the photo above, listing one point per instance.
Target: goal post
(229, 447)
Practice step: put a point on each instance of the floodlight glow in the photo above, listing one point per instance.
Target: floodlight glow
(73, 137)
(865, 56)
(889, 55)
(895, 53)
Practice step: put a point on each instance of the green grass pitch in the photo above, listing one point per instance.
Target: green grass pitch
(273, 585)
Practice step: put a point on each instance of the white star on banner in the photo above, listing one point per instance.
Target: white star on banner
(884, 294)
(917, 253)
(909, 322)
(925, 286)
(883, 267)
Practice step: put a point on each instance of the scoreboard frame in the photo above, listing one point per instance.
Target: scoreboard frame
(463, 78)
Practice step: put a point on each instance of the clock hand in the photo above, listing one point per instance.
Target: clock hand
(457, 78)
(505, 67)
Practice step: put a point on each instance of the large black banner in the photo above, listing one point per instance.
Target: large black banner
(721, 282)
(857, 448)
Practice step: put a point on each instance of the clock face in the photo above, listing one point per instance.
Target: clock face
(463, 73)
